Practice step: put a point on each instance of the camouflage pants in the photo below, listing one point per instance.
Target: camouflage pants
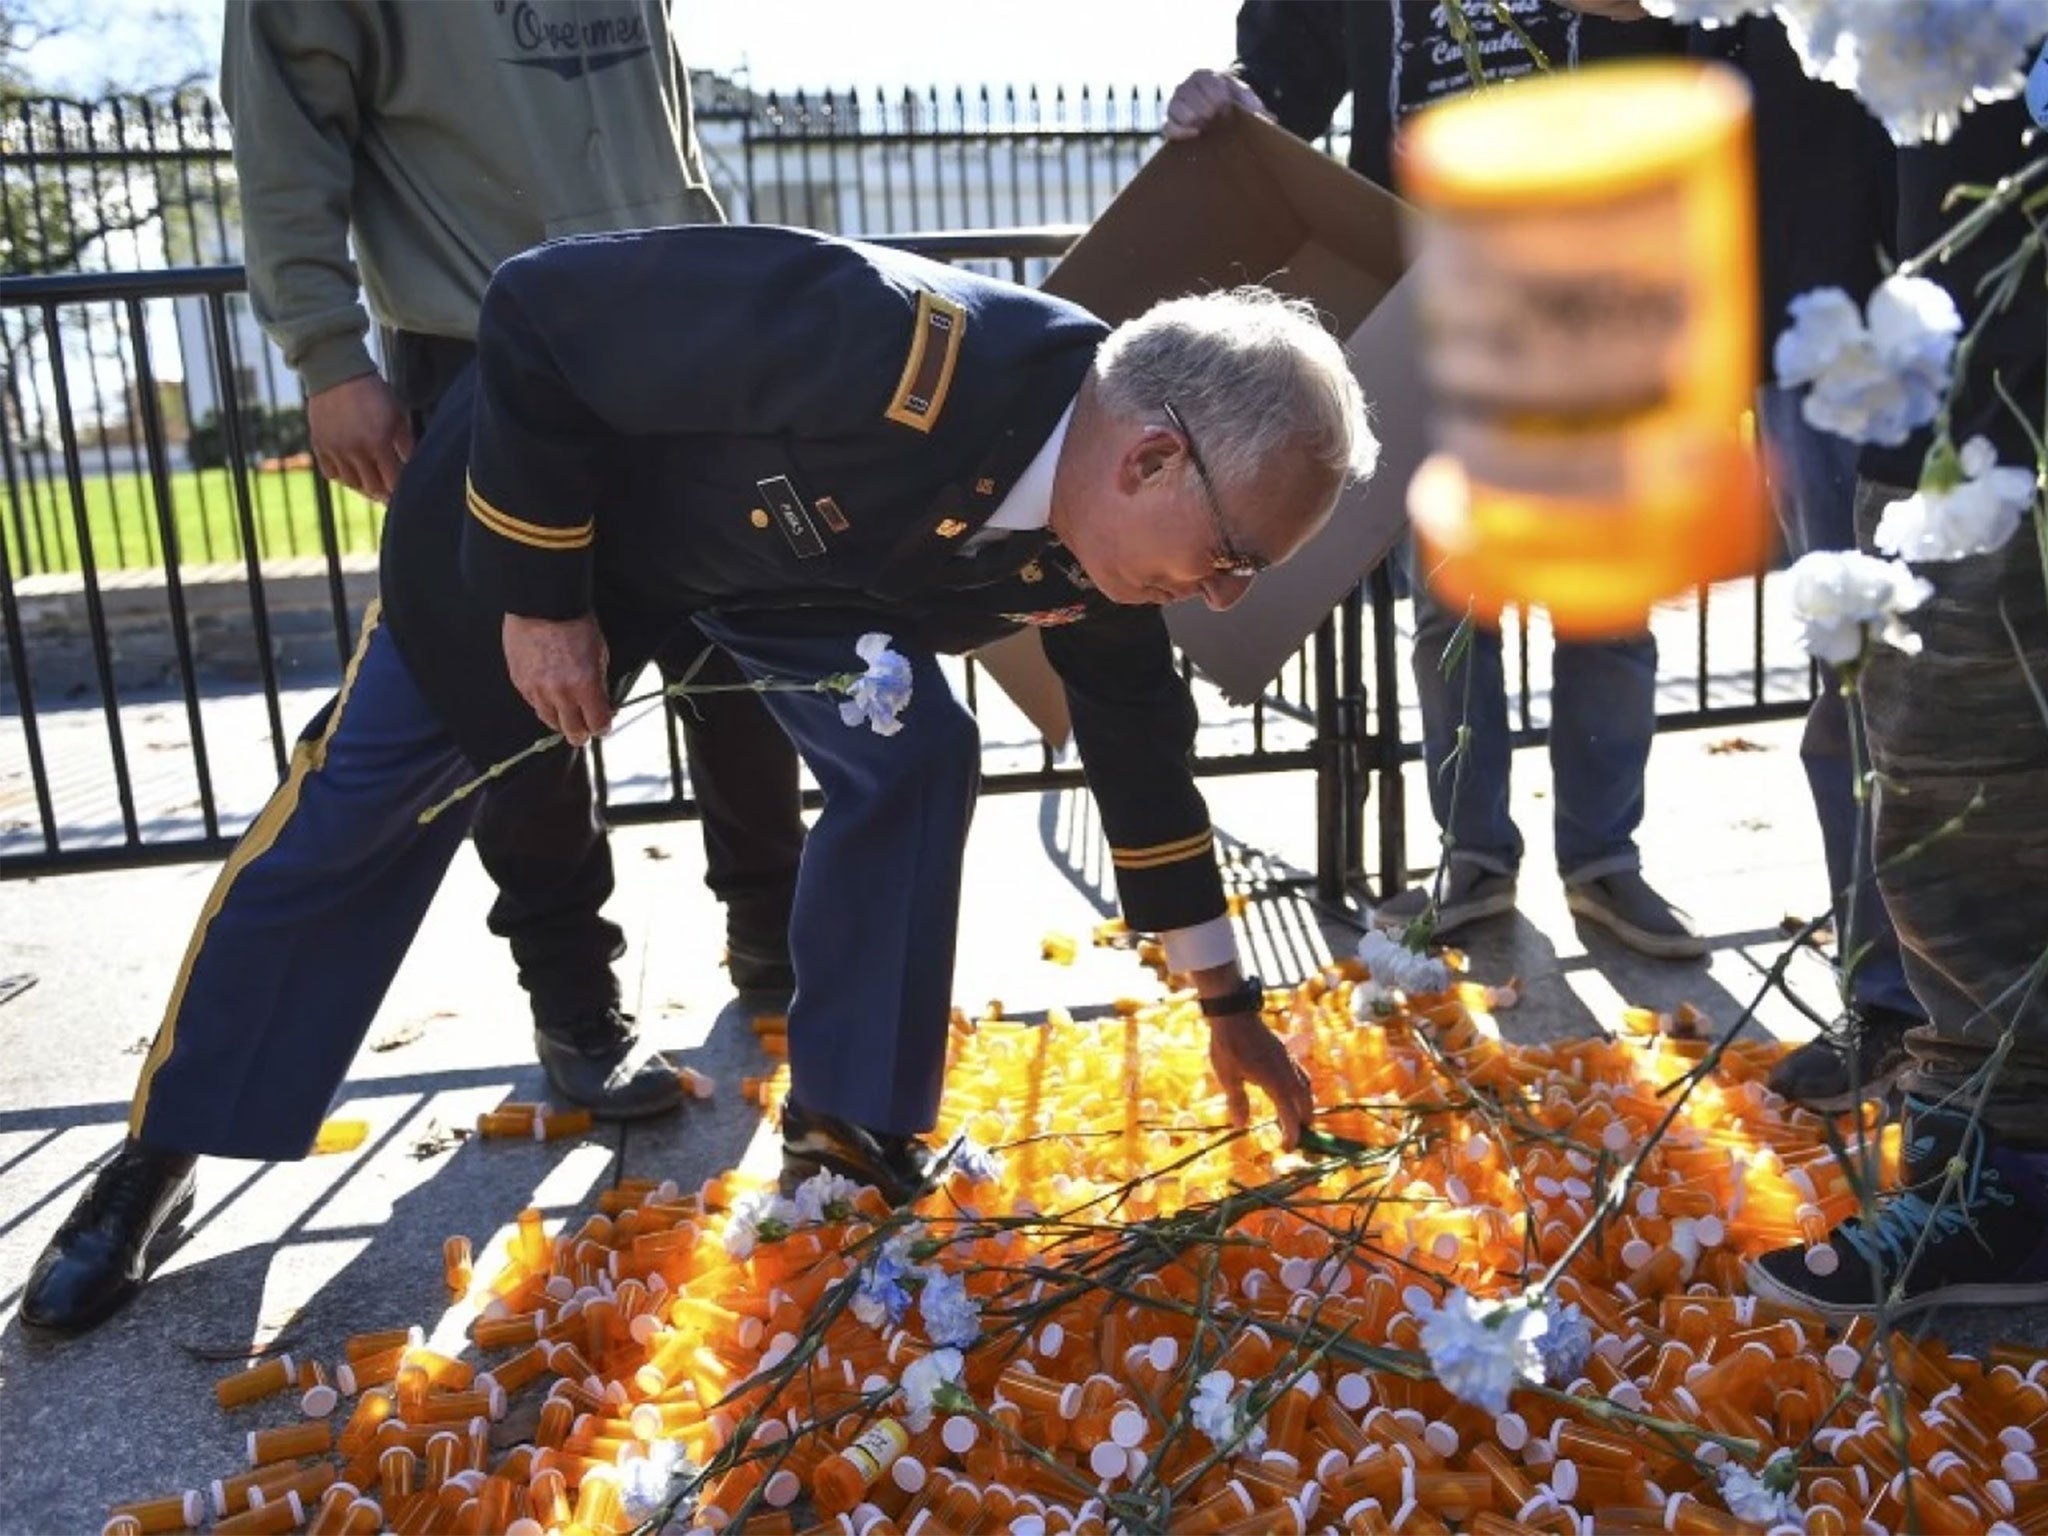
(1957, 722)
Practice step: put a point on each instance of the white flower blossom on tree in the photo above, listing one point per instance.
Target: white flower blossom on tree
(1873, 376)
(1971, 516)
(1393, 964)
(877, 696)
(927, 1382)
(1480, 1349)
(1918, 65)
(1844, 598)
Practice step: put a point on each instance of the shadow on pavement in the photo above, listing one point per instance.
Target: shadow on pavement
(298, 1257)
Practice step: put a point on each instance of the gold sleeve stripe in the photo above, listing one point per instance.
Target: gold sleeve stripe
(1201, 845)
(519, 531)
(928, 371)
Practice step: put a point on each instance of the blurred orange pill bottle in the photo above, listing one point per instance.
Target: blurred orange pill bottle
(1587, 255)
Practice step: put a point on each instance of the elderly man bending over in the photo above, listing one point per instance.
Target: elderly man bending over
(791, 441)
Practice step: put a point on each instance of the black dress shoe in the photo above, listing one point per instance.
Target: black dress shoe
(102, 1254)
(814, 1143)
(595, 1060)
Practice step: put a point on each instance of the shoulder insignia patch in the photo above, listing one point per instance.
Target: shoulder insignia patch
(928, 371)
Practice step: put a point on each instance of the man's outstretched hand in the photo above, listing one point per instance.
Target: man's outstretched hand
(1244, 1051)
(559, 668)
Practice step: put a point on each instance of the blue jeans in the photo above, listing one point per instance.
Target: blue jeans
(1813, 489)
(1603, 713)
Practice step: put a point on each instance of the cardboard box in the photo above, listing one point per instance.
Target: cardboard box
(1247, 202)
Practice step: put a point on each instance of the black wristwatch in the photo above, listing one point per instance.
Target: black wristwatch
(1248, 997)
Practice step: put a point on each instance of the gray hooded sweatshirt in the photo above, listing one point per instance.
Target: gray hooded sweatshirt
(446, 136)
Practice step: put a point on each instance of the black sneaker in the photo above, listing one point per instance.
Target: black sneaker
(1633, 910)
(1980, 1239)
(1862, 1058)
(595, 1060)
(128, 1218)
(897, 1166)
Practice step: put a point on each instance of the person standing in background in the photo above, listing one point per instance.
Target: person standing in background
(1826, 204)
(1295, 64)
(438, 140)
(1959, 764)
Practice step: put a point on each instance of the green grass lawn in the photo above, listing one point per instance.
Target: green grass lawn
(40, 524)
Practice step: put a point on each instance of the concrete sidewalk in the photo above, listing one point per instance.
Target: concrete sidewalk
(307, 1253)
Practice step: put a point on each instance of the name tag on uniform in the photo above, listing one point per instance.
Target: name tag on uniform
(791, 516)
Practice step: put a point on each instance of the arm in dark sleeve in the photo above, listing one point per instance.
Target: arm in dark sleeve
(584, 344)
(1292, 53)
(1134, 722)
(289, 77)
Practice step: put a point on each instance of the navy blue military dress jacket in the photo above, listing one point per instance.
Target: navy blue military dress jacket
(682, 420)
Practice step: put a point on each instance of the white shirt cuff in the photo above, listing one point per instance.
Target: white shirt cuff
(1200, 947)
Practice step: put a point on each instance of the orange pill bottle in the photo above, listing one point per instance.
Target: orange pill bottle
(1586, 255)
(842, 1478)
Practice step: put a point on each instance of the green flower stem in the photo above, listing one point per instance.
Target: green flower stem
(2009, 191)
(838, 682)
(496, 770)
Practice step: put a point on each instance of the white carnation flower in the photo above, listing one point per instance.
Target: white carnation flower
(1975, 516)
(1752, 1499)
(924, 1383)
(1370, 1000)
(951, 1316)
(1217, 1410)
(1566, 1344)
(1844, 597)
(1873, 377)
(979, 1164)
(1918, 65)
(1394, 965)
(1480, 1349)
(761, 1214)
(1705, 13)
(825, 1195)
(646, 1482)
(881, 693)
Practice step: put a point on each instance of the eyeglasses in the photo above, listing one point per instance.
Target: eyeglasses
(1228, 559)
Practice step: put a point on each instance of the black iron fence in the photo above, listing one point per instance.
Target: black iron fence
(146, 711)
(174, 574)
(147, 183)
(886, 162)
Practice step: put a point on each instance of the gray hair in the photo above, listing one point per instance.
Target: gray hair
(1254, 373)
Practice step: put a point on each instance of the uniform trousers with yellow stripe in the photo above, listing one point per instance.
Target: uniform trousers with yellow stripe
(314, 910)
